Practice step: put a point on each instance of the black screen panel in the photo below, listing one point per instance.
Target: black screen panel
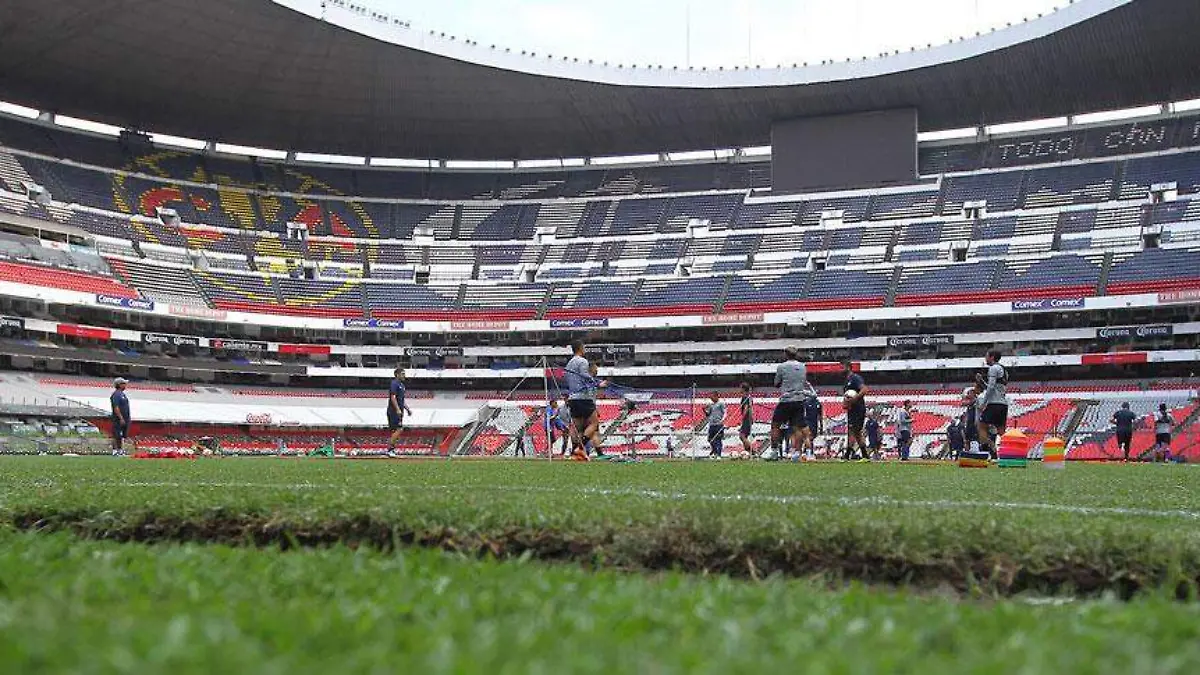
(844, 151)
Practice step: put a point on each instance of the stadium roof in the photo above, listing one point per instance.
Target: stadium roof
(263, 74)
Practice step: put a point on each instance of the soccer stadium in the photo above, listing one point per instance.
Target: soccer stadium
(331, 342)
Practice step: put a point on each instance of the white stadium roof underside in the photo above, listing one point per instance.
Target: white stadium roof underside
(278, 75)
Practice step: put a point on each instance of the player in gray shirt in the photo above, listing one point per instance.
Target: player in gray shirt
(791, 377)
(992, 404)
(715, 412)
(582, 385)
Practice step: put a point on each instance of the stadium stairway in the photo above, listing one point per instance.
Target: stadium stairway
(1102, 284)
(1076, 419)
(719, 306)
(890, 298)
(615, 424)
(1188, 434)
(544, 305)
(278, 293)
(463, 447)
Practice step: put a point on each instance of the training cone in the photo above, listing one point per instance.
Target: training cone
(1054, 453)
(1013, 452)
(973, 459)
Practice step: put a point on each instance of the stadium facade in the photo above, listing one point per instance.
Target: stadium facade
(1076, 247)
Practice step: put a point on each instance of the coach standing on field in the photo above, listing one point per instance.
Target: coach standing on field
(119, 402)
(397, 409)
(856, 411)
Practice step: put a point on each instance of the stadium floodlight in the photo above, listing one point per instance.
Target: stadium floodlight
(538, 163)
(329, 159)
(1121, 114)
(265, 153)
(1183, 106)
(400, 162)
(1028, 125)
(691, 155)
(479, 164)
(87, 125)
(947, 134)
(18, 110)
(177, 141)
(624, 159)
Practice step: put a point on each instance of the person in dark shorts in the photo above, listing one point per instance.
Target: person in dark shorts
(993, 403)
(582, 385)
(955, 439)
(1122, 421)
(119, 402)
(746, 407)
(791, 377)
(558, 419)
(904, 435)
(397, 409)
(715, 414)
(970, 427)
(854, 400)
(874, 435)
(1163, 424)
(813, 416)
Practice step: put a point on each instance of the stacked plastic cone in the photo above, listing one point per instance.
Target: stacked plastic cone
(1013, 452)
(1054, 453)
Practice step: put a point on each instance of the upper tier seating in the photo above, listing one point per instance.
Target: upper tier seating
(1155, 270)
(611, 241)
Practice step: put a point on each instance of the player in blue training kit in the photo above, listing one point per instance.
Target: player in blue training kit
(856, 412)
(396, 410)
(813, 414)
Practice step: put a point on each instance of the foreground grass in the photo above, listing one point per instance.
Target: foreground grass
(68, 605)
(992, 531)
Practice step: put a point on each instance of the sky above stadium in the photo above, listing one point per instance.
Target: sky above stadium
(711, 33)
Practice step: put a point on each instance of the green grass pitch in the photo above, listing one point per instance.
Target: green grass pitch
(280, 566)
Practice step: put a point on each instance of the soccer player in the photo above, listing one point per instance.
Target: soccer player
(397, 409)
(854, 398)
(791, 377)
(955, 440)
(813, 416)
(904, 430)
(119, 403)
(581, 400)
(715, 413)
(747, 408)
(558, 418)
(970, 428)
(874, 435)
(1123, 420)
(993, 403)
(1162, 433)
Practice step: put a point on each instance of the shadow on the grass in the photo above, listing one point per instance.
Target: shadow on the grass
(667, 547)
